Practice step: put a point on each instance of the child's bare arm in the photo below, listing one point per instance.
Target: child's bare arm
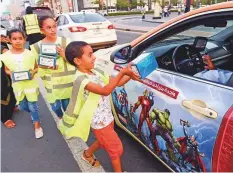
(106, 90)
(35, 70)
(7, 71)
(124, 80)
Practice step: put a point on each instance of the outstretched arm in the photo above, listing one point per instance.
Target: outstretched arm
(107, 89)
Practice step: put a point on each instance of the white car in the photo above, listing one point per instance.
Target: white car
(89, 27)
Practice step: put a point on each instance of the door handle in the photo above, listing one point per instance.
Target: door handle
(200, 107)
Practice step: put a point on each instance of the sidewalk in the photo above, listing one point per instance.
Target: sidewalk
(21, 152)
(162, 20)
(143, 28)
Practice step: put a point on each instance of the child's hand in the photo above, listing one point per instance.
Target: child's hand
(32, 73)
(54, 68)
(10, 74)
(129, 72)
(45, 67)
(61, 51)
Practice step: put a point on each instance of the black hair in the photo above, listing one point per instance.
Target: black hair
(74, 50)
(43, 18)
(10, 32)
(29, 10)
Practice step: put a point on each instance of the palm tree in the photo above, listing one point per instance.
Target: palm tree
(40, 2)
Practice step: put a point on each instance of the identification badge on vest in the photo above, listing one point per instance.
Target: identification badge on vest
(20, 76)
(48, 49)
(48, 61)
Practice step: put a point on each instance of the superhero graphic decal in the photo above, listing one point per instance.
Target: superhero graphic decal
(179, 126)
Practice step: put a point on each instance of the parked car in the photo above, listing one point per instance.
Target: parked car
(184, 121)
(90, 27)
(40, 11)
(43, 11)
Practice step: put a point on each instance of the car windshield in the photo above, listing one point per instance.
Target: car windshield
(87, 18)
(43, 12)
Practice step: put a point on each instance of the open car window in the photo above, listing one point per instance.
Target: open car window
(172, 54)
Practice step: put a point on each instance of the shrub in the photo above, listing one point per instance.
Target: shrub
(128, 13)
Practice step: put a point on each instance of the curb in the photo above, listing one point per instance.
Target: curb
(150, 21)
(135, 17)
(132, 30)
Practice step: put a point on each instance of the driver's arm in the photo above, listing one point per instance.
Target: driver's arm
(212, 74)
(208, 61)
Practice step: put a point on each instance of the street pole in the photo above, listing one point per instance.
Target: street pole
(187, 8)
(107, 6)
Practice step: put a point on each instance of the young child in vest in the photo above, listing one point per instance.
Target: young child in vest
(90, 104)
(19, 59)
(58, 81)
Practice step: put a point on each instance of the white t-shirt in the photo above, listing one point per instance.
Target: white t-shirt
(18, 59)
(103, 114)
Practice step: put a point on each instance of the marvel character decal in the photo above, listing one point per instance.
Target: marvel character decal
(170, 135)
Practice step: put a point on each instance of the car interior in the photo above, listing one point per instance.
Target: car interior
(182, 47)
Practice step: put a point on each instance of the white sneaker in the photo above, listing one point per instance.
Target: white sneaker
(39, 133)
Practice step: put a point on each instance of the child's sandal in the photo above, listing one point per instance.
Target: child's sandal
(9, 124)
(91, 160)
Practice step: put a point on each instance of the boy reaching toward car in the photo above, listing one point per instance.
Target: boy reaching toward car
(213, 74)
(90, 104)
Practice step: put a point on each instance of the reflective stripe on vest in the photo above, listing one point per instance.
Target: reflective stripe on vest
(76, 120)
(31, 24)
(74, 96)
(57, 74)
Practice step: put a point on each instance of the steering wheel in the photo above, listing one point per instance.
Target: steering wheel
(187, 60)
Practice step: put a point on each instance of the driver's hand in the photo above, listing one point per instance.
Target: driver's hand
(208, 61)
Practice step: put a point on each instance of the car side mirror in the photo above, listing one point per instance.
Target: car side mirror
(121, 55)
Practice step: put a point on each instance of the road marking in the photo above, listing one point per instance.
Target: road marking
(76, 145)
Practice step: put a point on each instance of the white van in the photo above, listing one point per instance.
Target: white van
(112, 10)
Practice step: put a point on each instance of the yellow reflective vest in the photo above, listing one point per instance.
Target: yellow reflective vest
(58, 83)
(76, 121)
(26, 88)
(31, 24)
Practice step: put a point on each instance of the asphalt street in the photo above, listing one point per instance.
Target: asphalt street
(22, 152)
(126, 37)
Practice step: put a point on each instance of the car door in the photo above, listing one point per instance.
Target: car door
(179, 118)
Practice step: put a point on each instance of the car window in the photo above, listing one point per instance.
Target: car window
(66, 21)
(61, 21)
(188, 58)
(43, 12)
(200, 31)
(86, 18)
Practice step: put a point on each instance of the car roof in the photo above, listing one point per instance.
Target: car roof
(219, 6)
(72, 13)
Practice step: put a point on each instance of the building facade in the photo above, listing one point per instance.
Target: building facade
(87, 4)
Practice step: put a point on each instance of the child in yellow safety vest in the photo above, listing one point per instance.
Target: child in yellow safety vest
(58, 81)
(21, 61)
(90, 104)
